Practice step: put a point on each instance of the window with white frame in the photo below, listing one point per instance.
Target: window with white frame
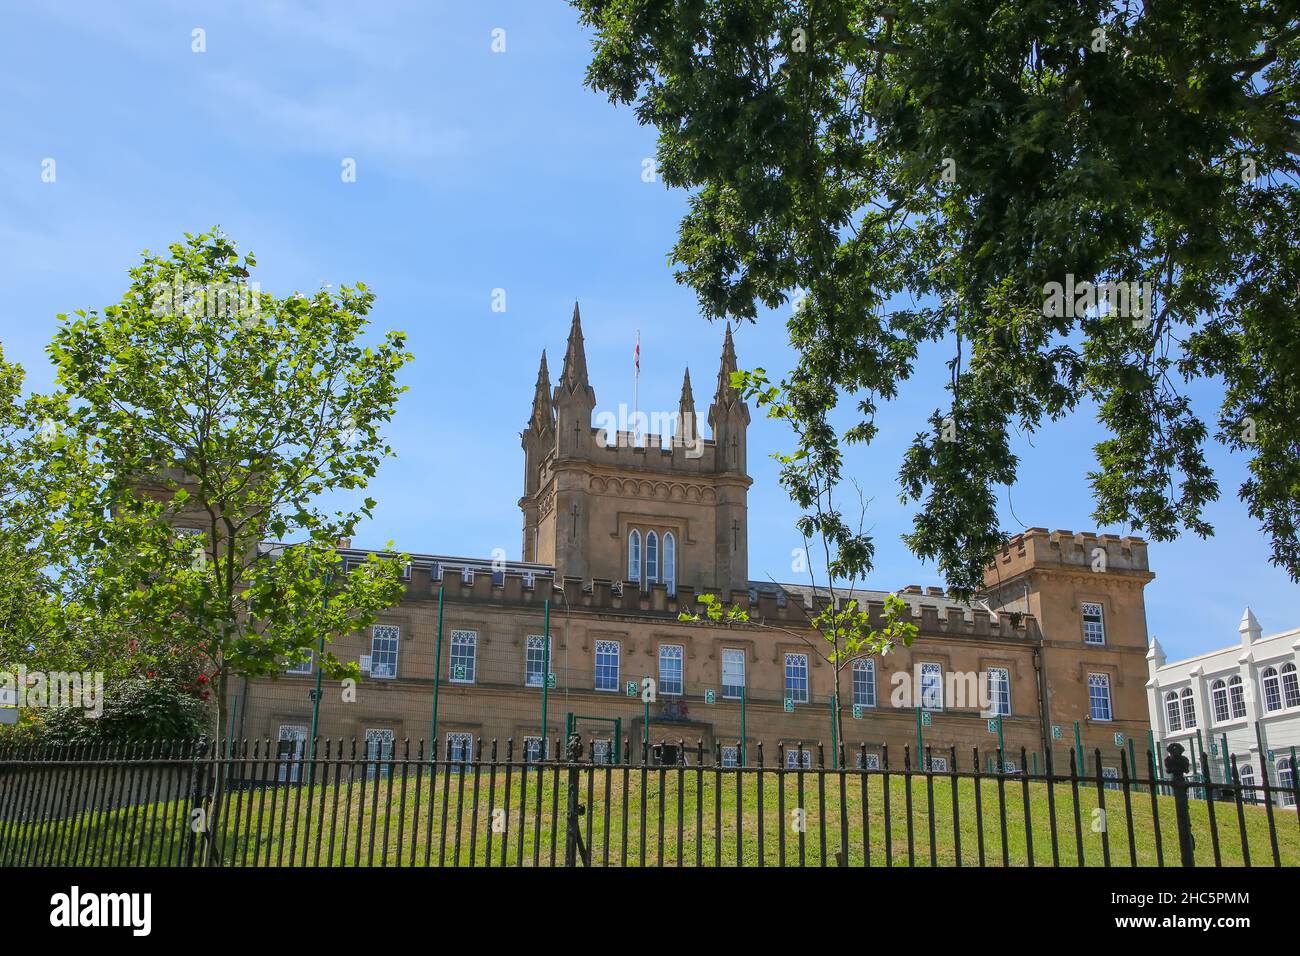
(670, 562)
(796, 759)
(634, 555)
(293, 747)
(1111, 777)
(730, 755)
(384, 639)
(1000, 691)
(864, 683)
(1237, 696)
(1189, 708)
(938, 764)
(460, 747)
(601, 751)
(1272, 690)
(1219, 700)
(533, 749)
(670, 669)
(1094, 629)
(651, 557)
(535, 661)
(796, 678)
(1285, 782)
(1099, 696)
(607, 665)
(868, 761)
(379, 750)
(733, 673)
(300, 667)
(464, 652)
(1290, 686)
(1246, 774)
(931, 685)
(1173, 713)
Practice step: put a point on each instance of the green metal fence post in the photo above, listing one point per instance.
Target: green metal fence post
(835, 739)
(546, 671)
(743, 737)
(437, 678)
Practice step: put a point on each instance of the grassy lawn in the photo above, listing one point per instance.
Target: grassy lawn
(388, 822)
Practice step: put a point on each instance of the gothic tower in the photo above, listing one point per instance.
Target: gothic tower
(652, 510)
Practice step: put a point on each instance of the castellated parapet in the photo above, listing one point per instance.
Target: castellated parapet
(652, 453)
(531, 589)
(1041, 549)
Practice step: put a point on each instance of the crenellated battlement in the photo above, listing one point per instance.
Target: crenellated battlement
(764, 607)
(1041, 549)
(653, 452)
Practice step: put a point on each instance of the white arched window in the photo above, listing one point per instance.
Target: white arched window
(634, 555)
(1290, 686)
(1189, 709)
(1219, 700)
(1172, 713)
(1285, 782)
(670, 562)
(1237, 696)
(651, 557)
(1247, 774)
(1272, 690)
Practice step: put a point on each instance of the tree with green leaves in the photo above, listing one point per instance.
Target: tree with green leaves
(219, 415)
(47, 620)
(847, 633)
(1089, 202)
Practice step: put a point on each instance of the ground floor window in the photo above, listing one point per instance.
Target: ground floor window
(460, 747)
(379, 750)
(794, 759)
(292, 749)
(533, 749)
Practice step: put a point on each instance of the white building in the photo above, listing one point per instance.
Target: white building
(1224, 702)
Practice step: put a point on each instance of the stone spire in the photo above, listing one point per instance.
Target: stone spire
(687, 427)
(543, 416)
(725, 394)
(574, 375)
(574, 398)
(728, 415)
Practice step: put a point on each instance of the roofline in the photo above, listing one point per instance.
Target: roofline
(1294, 632)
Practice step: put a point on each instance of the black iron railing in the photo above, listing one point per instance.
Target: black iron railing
(341, 804)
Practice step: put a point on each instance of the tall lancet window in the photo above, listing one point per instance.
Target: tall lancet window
(651, 557)
(634, 555)
(670, 562)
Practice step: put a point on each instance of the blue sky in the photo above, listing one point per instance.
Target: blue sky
(476, 171)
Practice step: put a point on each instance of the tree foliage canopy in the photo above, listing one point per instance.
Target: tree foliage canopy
(923, 171)
(204, 404)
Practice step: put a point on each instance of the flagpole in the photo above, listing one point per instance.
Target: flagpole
(636, 395)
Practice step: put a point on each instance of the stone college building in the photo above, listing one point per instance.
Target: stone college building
(621, 535)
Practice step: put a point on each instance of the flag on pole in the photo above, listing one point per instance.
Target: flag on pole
(638, 351)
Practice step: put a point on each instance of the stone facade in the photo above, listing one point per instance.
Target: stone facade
(622, 531)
